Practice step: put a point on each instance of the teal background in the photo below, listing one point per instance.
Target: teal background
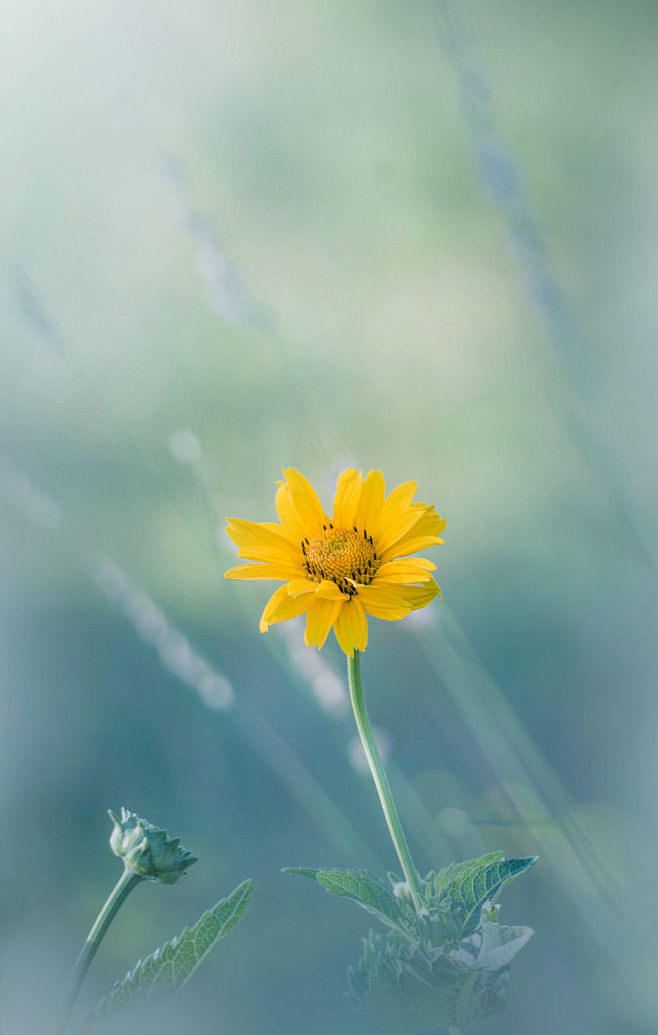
(419, 237)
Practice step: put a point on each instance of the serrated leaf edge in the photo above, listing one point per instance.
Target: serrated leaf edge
(241, 894)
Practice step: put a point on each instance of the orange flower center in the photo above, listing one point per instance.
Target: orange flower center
(343, 556)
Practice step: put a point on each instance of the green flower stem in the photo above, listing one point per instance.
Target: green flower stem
(127, 882)
(380, 778)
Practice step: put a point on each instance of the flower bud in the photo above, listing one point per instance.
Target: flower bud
(146, 850)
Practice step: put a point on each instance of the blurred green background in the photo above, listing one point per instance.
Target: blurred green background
(414, 236)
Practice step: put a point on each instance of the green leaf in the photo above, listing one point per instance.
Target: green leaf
(170, 966)
(499, 945)
(301, 871)
(466, 887)
(445, 876)
(365, 889)
(448, 965)
(410, 991)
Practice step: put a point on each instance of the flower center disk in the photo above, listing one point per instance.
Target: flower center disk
(343, 556)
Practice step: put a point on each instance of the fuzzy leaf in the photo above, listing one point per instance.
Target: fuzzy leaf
(170, 966)
(466, 887)
(449, 873)
(365, 889)
(493, 946)
(410, 992)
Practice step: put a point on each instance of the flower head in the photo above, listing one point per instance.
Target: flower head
(338, 570)
(147, 850)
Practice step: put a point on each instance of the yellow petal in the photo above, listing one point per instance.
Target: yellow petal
(258, 542)
(320, 617)
(411, 545)
(259, 571)
(327, 590)
(396, 529)
(408, 564)
(368, 512)
(280, 607)
(346, 500)
(280, 530)
(430, 523)
(399, 499)
(383, 603)
(306, 502)
(297, 587)
(419, 596)
(428, 527)
(397, 506)
(415, 569)
(268, 556)
(351, 627)
(288, 513)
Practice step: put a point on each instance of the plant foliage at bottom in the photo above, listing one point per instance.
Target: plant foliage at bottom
(445, 966)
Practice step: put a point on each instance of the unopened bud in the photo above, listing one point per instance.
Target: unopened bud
(146, 850)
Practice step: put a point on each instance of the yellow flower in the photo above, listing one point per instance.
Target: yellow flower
(338, 570)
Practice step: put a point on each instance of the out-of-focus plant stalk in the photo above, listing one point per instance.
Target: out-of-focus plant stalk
(148, 853)
(381, 779)
(124, 886)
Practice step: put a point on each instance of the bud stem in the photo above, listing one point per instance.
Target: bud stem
(381, 780)
(124, 886)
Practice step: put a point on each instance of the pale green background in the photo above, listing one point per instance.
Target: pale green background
(237, 236)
